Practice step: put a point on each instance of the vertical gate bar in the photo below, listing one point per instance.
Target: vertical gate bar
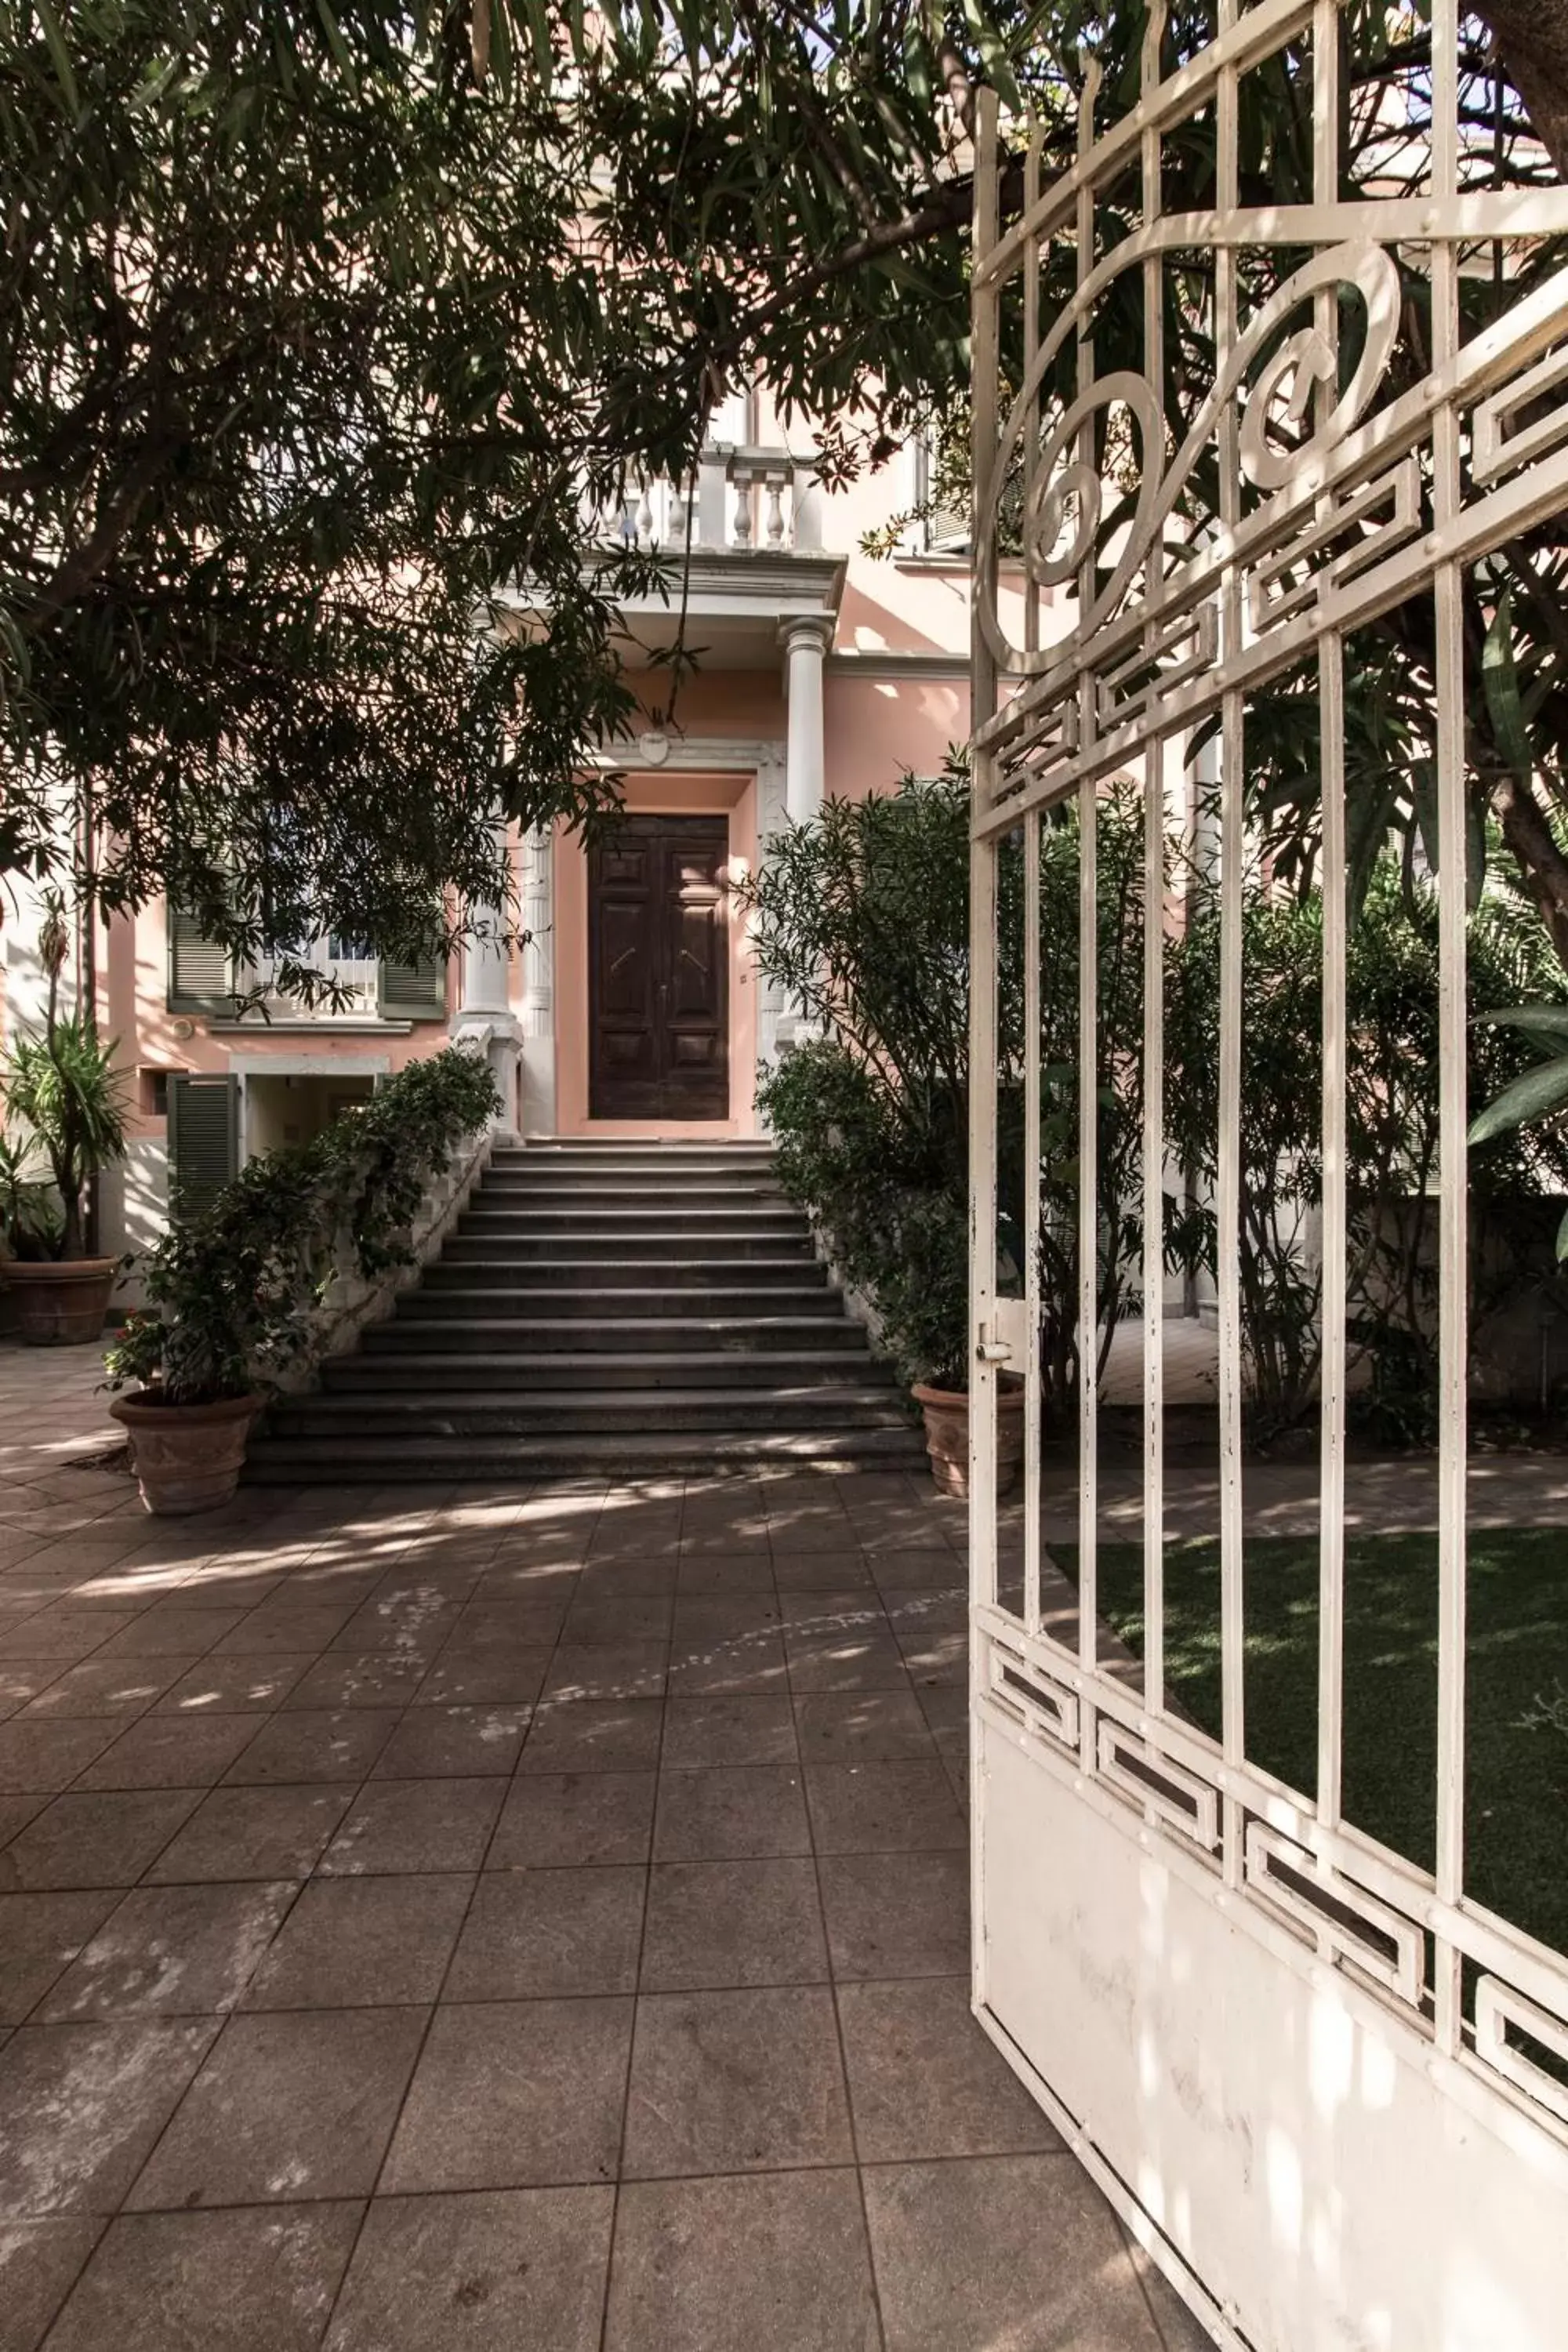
(1333, 1269)
(1453, 1112)
(1153, 1268)
(981, 1024)
(1153, 1139)
(1031, 1365)
(1232, 849)
(1088, 1018)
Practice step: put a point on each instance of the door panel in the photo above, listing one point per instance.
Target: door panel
(658, 971)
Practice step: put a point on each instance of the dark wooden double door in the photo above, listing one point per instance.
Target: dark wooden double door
(658, 970)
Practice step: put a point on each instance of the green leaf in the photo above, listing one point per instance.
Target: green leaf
(1536, 1095)
(1499, 679)
(60, 55)
(1543, 1020)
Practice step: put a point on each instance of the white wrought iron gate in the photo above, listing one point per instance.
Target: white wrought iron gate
(1325, 2085)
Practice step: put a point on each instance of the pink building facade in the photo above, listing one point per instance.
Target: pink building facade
(619, 996)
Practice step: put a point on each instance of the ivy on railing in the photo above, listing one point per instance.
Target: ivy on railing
(235, 1287)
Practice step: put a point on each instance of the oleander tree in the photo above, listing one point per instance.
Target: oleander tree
(327, 326)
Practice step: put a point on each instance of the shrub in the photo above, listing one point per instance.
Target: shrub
(235, 1286)
(862, 917)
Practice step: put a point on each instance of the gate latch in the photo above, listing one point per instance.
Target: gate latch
(1002, 1341)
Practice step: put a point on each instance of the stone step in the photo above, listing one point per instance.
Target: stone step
(394, 1371)
(573, 1153)
(690, 1246)
(468, 1412)
(669, 1198)
(337, 1461)
(602, 1274)
(632, 1225)
(546, 1335)
(487, 1305)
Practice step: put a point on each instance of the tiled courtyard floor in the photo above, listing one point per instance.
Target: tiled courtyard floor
(438, 1922)
(443, 1923)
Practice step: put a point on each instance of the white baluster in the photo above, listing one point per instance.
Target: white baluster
(775, 522)
(743, 514)
(644, 524)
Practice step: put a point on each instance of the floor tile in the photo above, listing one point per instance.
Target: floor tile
(735, 2081)
(937, 1660)
(417, 1825)
(433, 1742)
(355, 1943)
(723, 1617)
(733, 1923)
(519, 1624)
(568, 1817)
(775, 2262)
(626, 1670)
(925, 2081)
(169, 1751)
(1020, 2251)
(252, 1834)
(911, 1570)
(286, 2109)
(725, 1730)
(38, 2265)
(285, 1629)
(45, 1756)
(172, 1951)
(358, 1678)
(730, 1811)
(507, 1675)
(740, 1662)
(596, 1618)
(1174, 2325)
(897, 1915)
(882, 1809)
(834, 1570)
(514, 2095)
(533, 1933)
(844, 1658)
(98, 1839)
(40, 1935)
(122, 1687)
(247, 1685)
(254, 2280)
(81, 2104)
(502, 2271)
(712, 1573)
(313, 1744)
(174, 1629)
(590, 1735)
(65, 1631)
(873, 1727)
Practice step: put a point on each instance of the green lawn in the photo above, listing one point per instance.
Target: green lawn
(1517, 1799)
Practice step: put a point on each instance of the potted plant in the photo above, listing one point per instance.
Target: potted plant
(236, 1287)
(189, 1421)
(65, 1113)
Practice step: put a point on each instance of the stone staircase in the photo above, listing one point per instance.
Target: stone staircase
(605, 1308)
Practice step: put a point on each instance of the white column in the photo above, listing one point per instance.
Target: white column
(538, 984)
(484, 1015)
(805, 644)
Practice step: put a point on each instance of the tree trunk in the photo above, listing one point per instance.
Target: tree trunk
(1532, 40)
(1542, 865)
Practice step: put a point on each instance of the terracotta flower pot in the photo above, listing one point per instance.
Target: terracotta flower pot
(946, 1414)
(60, 1302)
(187, 1457)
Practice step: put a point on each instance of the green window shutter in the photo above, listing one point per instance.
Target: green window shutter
(203, 1138)
(198, 967)
(414, 992)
